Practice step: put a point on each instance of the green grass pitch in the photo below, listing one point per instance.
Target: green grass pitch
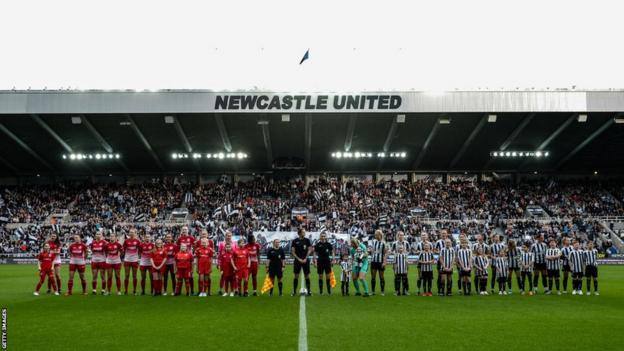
(333, 322)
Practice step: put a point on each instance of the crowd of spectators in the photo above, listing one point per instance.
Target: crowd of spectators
(354, 207)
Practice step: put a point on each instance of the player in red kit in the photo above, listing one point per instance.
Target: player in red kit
(189, 240)
(46, 261)
(228, 241)
(145, 264)
(241, 262)
(204, 254)
(183, 265)
(204, 235)
(55, 247)
(158, 260)
(254, 252)
(77, 260)
(113, 264)
(227, 270)
(131, 260)
(171, 249)
(98, 261)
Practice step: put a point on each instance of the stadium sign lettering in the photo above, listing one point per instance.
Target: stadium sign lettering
(307, 102)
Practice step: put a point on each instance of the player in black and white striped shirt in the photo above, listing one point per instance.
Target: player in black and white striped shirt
(462, 237)
(500, 265)
(539, 250)
(485, 248)
(527, 260)
(576, 258)
(464, 260)
(378, 257)
(400, 272)
(424, 239)
(513, 256)
(553, 265)
(446, 260)
(591, 267)
(481, 264)
(439, 245)
(426, 260)
(401, 242)
(565, 252)
(495, 248)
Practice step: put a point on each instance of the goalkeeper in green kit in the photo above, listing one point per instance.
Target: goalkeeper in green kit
(359, 256)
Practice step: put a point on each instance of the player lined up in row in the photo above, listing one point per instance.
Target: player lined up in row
(238, 263)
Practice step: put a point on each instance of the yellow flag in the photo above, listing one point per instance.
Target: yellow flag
(332, 279)
(267, 285)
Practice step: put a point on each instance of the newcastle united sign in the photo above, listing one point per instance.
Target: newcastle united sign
(294, 103)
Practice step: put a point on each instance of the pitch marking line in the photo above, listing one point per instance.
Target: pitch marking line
(303, 328)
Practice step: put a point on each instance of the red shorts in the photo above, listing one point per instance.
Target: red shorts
(162, 269)
(131, 264)
(183, 273)
(48, 272)
(145, 268)
(57, 265)
(253, 270)
(115, 266)
(98, 265)
(204, 267)
(242, 274)
(77, 267)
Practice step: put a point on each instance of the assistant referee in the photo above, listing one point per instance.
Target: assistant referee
(300, 249)
(323, 255)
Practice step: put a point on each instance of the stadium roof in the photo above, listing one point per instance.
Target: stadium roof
(38, 127)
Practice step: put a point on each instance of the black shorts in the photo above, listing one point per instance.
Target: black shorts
(566, 268)
(577, 275)
(463, 273)
(323, 267)
(377, 266)
(540, 266)
(299, 266)
(591, 272)
(553, 273)
(427, 274)
(276, 272)
(514, 269)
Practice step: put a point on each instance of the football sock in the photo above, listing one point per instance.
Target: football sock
(295, 283)
(126, 285)
(356, 285)
(70, 285)
(320, 282)
(307, 282)
(365, 285)
(373, 284)
(279, 286)
(328, 286)
(382, 284)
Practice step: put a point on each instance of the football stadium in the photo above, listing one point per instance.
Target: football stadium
(176, 180)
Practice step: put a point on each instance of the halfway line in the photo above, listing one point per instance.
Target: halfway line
(303, 329)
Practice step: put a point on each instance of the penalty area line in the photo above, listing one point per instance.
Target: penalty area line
(303, 328)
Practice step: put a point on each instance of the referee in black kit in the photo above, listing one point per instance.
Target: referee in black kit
(301, 248)
(323, 255)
